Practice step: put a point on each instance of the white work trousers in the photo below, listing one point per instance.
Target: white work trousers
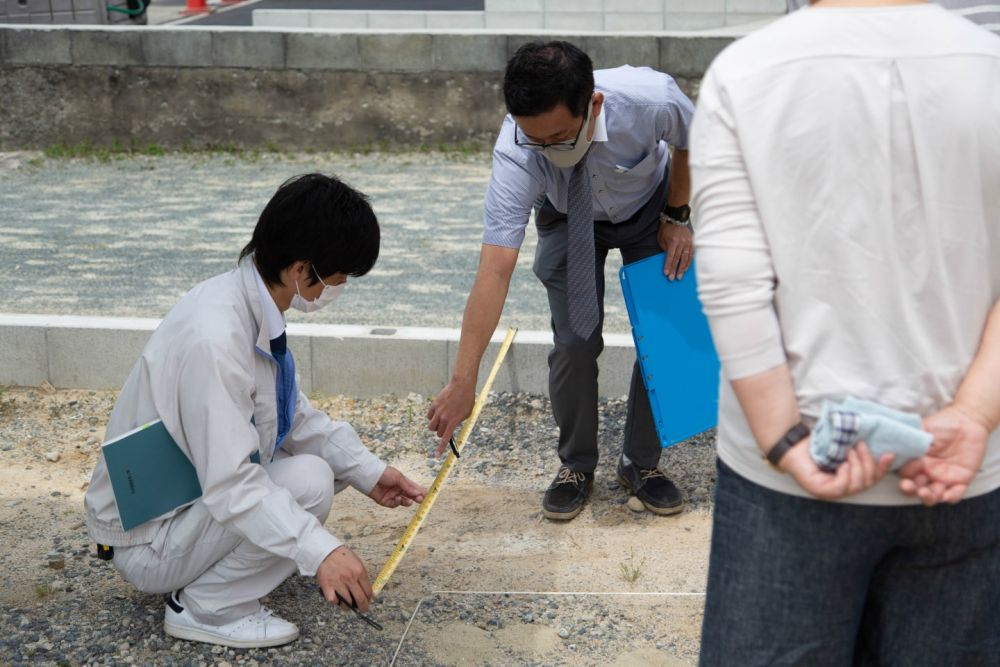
(223, 575)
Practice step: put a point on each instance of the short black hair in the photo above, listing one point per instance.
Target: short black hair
(319, 219)
(542, 75)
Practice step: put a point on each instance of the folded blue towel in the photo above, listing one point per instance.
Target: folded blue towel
(842, 425)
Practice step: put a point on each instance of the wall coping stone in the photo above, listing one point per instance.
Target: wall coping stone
(679, 53)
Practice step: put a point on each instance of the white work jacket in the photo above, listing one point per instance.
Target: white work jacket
(205, 372)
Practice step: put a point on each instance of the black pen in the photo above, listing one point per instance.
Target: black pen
(354, 607)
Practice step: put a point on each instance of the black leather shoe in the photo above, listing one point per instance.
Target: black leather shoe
(564, 498)
(651, 486)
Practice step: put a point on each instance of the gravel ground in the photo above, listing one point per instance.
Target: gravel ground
(567, 630)
(127, 236)
(59, 605)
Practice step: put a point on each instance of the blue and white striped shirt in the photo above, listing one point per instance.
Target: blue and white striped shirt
(644, 111)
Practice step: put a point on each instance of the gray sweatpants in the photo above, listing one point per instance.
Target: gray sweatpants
(223, 575)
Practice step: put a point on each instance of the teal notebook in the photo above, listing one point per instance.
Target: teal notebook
(149, 473)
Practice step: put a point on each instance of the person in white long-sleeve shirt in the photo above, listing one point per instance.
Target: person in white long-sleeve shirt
(845, 167)
(219, 374)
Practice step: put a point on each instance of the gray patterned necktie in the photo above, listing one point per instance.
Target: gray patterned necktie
(581, 278)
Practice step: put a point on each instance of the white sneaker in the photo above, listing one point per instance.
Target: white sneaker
(258, 630)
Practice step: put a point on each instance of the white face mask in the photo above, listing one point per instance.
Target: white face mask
(325, 298)
(571, 157)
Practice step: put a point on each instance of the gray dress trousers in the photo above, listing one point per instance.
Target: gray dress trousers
(573, 360)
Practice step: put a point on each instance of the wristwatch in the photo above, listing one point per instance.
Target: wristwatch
(677, 215)
(792, 437)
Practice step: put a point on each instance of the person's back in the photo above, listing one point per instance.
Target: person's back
(845, 166)
(871, 141)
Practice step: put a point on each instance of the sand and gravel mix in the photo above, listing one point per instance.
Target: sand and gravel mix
(484, 538)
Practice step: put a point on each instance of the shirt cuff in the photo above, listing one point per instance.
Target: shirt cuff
(509, 238)
(367, 473)
(315, 549)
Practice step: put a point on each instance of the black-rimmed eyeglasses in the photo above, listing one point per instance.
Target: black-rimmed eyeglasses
(534, 146)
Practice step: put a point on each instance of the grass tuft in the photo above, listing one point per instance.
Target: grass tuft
(7, 405)
(631, 568)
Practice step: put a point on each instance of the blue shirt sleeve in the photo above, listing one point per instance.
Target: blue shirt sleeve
(515, 183)
(673, 117)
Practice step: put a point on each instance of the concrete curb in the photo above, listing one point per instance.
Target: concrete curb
(75, 352)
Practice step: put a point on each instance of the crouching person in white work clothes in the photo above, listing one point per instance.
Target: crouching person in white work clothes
(219, 374)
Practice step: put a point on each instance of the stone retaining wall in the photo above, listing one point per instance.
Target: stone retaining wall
(286, 89)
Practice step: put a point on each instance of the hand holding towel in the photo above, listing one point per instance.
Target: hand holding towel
(841, 426)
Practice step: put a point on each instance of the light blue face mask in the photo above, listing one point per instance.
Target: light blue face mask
(325, 298)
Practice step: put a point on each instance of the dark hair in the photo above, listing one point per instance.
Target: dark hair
(319, 219)
(543, 75)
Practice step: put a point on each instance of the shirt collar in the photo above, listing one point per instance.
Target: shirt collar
(600, 127)
(273, 318)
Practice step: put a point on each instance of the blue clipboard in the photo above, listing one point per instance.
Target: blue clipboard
(674, 345)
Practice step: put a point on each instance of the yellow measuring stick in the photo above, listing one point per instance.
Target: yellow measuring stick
(432, 493)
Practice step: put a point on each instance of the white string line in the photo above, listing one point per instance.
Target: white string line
(420, 602)
(399, 647)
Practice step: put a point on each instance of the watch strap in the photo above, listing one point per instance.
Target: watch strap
(670, 221)
(679, 215)
(792, 436)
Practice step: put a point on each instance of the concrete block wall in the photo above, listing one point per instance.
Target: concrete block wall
(373, 52)
(567, 15)
(73, 352)
(364, 20)
(627, 15)
(295, 88)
